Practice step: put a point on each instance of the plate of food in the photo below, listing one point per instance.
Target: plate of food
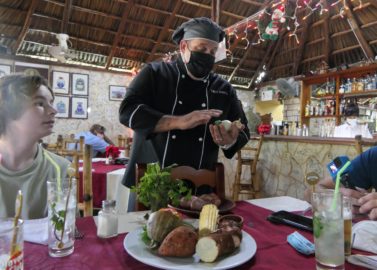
(138, 250)
(194, 205)
(168, 242)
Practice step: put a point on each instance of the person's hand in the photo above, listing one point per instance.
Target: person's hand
(355, 195)
(196, 118)
(368, 205)
(222, 137)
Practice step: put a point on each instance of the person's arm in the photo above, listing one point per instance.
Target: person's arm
(108, 140)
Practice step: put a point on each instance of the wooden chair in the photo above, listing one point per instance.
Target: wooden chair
(87, 205)
(125, 142)
(248, 156)
(359, 144)
(214, 179)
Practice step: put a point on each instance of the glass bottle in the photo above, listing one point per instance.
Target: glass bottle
(107, 220)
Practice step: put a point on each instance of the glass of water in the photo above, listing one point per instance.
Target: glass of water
(328, 228)
(62, 216)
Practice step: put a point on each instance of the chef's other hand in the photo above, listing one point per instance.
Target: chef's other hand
(196, 118)
(368, 205)
(222, 137)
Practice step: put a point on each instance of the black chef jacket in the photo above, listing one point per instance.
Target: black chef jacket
(163, 88)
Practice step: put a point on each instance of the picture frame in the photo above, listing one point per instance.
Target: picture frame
(80, 85)
(79, 107)
(117, 92)
(32, 69)
(5, 70)
(62, 105)
(60, 82)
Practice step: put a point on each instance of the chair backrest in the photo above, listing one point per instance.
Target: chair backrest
(125, 142)
(214, 179)
(359, 144)
(251, 151)
(87, 181)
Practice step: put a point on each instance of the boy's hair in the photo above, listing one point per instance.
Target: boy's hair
(15, 91)
(96, 128)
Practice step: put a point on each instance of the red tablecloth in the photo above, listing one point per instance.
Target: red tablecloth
(99, 181)
(273, 251)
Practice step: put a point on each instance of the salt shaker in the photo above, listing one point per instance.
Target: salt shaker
(107, 220)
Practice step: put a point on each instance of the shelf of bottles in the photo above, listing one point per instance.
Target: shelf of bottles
(322, 102)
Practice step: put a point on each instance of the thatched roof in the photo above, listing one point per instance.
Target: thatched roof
(125, 34)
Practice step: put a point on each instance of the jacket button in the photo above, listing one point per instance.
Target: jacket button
(173, 137)
(205, 81)
(183, 76)
(204, 105)
(180, 102)
(200, 139)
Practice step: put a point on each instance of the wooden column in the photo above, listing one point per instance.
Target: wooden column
(215, 11)
(87, 181)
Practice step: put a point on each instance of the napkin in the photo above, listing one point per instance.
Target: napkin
(365, 235)
(129, 222)
(369, 262)
(36, 230)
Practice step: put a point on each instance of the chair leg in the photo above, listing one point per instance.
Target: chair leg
(237, 181)
(256, 185)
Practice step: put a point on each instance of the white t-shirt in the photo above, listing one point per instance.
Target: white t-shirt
(351, 128)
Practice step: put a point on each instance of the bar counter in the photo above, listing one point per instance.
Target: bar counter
(285, 160)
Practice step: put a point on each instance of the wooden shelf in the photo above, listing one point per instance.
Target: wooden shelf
(372, 93)
(323, 97)
(320, 116)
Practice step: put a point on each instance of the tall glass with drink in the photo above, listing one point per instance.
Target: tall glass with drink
(11, 244)
(347, 216)
(328, 229)
(62, 216)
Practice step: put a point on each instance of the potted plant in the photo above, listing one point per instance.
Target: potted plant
(157, 189)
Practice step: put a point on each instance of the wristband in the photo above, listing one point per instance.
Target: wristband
(227, 146)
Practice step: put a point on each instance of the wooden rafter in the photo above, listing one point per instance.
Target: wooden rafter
(367, 50)
(67, 12)
(264, 61)
(276, 48)
(326, 32)
(121, 27)
(301, 47)
(200, 5)
(215, 11)
(255, 3)
(26, 25)
(163, 32)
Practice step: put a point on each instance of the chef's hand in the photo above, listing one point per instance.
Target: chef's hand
(222, 137)
(187, 121)
(368, 205)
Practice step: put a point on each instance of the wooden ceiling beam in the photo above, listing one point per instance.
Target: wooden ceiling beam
(60, 4)
(315, 41)
(341, 33)
(95, 12)
(255, 3)
(304, 37)
(276, 48)
(26, 25)
(215, 11)
(67, 12)
(282, 66)
(346, 49)
(264, 61)
(164, 31)
(311, 59)
(199, 5)
(367, 50)
(369, 24)
(326, 30)
(121, 28)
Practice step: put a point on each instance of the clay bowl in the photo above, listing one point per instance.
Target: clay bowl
(236, 219)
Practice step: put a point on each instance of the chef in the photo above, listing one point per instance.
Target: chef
(175, 104)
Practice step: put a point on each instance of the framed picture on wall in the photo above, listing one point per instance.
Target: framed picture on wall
(61, 104)
(60, 82)
(79, 107)
(117, 92)
(5, 70)
(32, 69)
(80, 84)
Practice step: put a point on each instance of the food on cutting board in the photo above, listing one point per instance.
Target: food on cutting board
(196, 203)
(172, 237)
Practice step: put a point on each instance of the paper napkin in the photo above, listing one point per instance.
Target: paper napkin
(369, 262)
(36, 230)
(365, 235)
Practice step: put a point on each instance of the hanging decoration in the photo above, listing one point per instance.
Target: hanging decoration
(279, 14)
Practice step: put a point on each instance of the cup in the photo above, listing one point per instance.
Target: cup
(328, 228)
(11, 244)
(61, 216)
(347, 217)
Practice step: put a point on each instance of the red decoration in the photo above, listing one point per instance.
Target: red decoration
(264, 129)
(112, 151)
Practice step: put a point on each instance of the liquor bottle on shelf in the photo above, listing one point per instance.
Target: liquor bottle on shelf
(348, 88)
(307, 109)
(342, 87)
(354, 85)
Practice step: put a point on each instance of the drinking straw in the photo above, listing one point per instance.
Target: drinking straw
(337, 184)
(18, 209)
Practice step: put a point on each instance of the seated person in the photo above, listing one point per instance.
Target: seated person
(363, 175)
(97, 138)
(352, 127)
(26, 115)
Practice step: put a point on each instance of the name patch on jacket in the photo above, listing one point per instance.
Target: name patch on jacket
(214, 91)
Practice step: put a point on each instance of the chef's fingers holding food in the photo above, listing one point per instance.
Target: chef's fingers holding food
(225, 132)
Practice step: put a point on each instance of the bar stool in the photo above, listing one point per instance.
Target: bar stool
(248, 156)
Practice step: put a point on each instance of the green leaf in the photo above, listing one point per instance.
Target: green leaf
(317, 226)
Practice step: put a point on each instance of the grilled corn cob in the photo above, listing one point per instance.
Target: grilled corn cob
(208, 219)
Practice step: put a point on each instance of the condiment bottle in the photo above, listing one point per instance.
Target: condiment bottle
(107, 220)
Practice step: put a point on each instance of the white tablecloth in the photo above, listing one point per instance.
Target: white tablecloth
(116, 191)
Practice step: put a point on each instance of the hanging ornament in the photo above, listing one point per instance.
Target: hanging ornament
(272, 29)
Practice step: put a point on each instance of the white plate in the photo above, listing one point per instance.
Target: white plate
(137, 249)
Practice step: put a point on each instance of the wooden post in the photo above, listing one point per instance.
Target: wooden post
(215, 11)
(87, 181)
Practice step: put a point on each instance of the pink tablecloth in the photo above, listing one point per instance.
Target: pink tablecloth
(273, 251)
(99, 181)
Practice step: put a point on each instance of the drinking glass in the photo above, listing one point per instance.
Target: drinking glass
(328, 229)
(347, 216)
(61, 216)
(11, 244)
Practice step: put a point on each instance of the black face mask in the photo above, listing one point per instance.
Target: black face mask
(200, 64)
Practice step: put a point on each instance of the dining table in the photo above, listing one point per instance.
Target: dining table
(100, 183)
(273, 250)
